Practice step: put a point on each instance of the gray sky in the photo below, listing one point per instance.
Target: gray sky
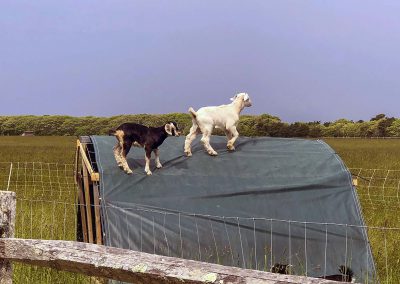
(299, 60)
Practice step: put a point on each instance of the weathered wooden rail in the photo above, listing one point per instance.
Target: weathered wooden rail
(118, 264)
(132, 266)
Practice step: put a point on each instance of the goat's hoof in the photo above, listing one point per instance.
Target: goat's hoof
(213, 153)
(149, 173)
(159, 166)
(188, 153)
(230, 147)
(129, 172)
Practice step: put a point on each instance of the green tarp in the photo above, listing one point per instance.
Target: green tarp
(288, 201)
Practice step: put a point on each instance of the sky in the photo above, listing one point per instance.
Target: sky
(299, 60)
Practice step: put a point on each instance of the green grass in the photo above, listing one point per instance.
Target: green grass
(368, 153)
(46, 195)
(47, 149)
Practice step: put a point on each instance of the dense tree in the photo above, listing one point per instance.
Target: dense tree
(298, 129)
(258, 125)
(378, 117)
(315, 129)
(267, 125)
(383, 126)
(394, 128)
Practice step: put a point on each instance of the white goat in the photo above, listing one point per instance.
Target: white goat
(224, 117)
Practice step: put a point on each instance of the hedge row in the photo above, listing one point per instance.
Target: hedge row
(249, 125)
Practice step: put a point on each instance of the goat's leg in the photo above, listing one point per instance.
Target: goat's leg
(117, 154)
(206, 142)
(125, 151)
(158, 164)
(228, 135)
(189, 139)
(119, 148)
(147, 158)
(235, 135)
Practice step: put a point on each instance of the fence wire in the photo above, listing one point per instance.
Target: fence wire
(47, 208)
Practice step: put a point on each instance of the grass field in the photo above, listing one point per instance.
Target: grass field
(38, 149)
(368, 153)
(46, 196)
(42, 177)
(379, 196)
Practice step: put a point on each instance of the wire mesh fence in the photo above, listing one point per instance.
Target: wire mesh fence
(47, 208)
(378, 188)
(379, 195)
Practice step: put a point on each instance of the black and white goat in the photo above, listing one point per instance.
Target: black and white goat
(224, 117)
(149, 138)
(346, 275)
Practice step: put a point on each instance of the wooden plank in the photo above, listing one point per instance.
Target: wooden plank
(8, 205)
(134, 267)
(82, 209)
(85, 159)
(82, 148)
(95, 176)
(76, 167)
(81, 199)
(96, 202)
(88, 203)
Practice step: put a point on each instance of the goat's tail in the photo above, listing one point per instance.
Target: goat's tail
(192, 113)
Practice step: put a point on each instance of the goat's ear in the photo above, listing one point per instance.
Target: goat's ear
(168, 129)
(234, 98)
(246, 97)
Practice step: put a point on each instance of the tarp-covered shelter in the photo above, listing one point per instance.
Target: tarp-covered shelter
(273, 200)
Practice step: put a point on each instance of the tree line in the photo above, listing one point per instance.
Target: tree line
(249, 125)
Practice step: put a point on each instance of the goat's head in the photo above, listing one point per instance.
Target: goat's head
(243, 98)
(172, 128)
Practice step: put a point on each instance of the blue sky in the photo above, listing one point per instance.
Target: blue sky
(299, 60)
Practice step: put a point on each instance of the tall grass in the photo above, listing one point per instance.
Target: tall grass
(47, 149)
(368, 153)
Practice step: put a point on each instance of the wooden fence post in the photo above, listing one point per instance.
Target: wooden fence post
(7, 226)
